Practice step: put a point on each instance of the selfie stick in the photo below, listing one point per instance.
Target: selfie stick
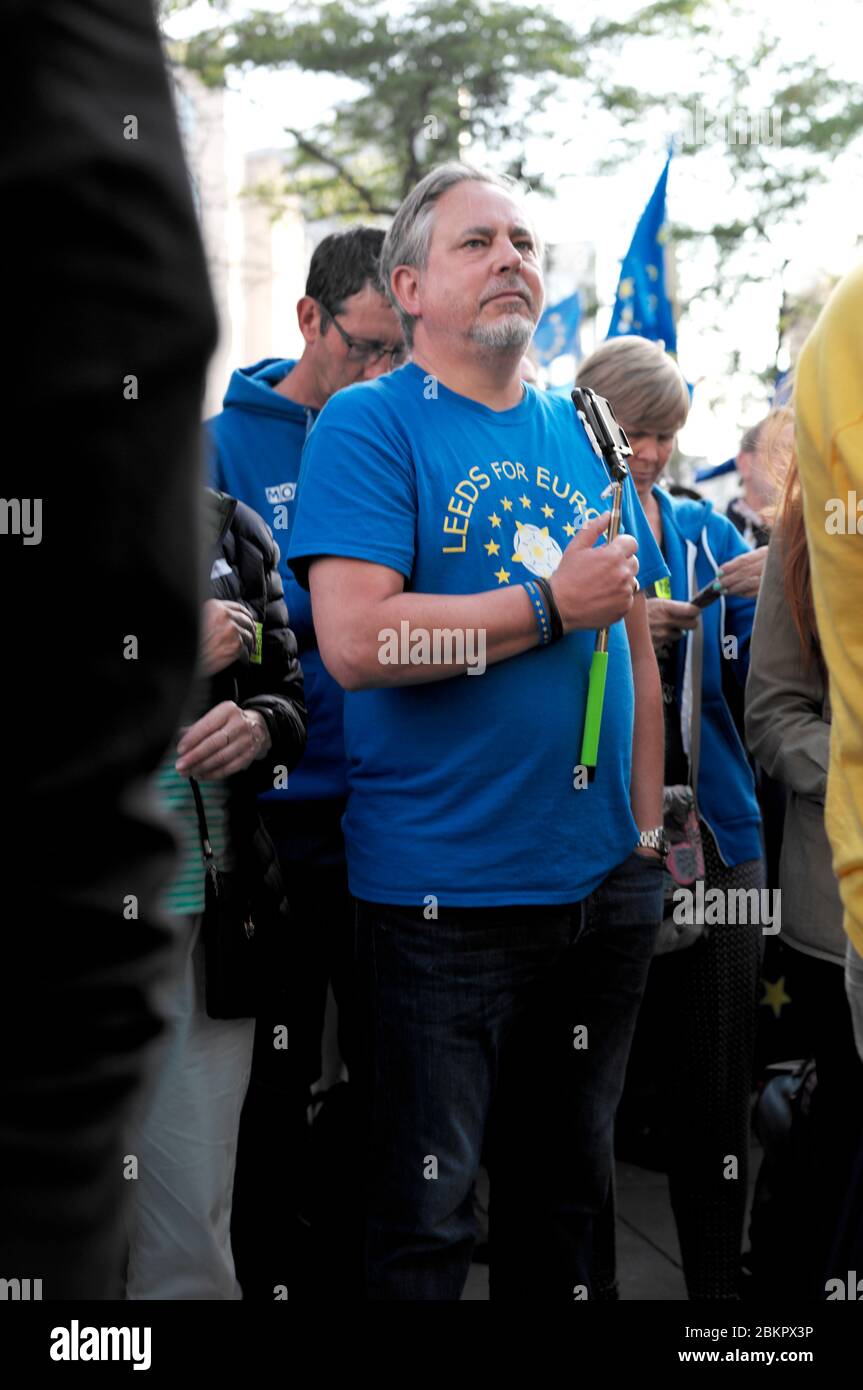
(611, 445)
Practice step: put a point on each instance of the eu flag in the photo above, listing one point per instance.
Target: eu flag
(557, 331)
(642, 305)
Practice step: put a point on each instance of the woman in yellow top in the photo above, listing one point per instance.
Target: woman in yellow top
(828, 405)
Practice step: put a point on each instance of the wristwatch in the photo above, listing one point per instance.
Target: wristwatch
(655, 839)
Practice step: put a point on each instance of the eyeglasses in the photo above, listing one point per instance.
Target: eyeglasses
(362, 351)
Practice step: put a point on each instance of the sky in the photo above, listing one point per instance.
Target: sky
(604, 210)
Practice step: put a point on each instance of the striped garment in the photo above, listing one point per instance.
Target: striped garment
(185, 893)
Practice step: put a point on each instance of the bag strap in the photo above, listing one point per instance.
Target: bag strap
(697, 657)
(202, 821)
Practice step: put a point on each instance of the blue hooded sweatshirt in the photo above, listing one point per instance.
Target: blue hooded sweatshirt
(257, 443)
(697, 540)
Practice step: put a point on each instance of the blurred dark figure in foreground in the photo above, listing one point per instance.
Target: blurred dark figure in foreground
(108, 326)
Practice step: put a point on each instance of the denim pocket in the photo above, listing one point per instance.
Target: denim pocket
(640, 883)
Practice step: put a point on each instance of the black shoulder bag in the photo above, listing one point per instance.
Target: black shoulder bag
(232, 947)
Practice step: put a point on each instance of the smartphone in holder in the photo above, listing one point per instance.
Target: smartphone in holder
(705, 596)
(605, 434)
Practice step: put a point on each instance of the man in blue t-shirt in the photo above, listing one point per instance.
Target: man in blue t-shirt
(450, 529)
(351, 334)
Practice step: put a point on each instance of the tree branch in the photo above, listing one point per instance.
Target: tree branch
(310, 148)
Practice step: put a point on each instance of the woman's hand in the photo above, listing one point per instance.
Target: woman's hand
(741, 577)
(669, 619)
(224, 741)
(227, 631)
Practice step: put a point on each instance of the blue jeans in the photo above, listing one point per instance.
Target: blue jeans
(497, 1034)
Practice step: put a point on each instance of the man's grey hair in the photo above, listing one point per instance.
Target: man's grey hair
(409, 238)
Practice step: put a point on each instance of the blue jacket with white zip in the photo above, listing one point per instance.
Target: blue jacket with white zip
(697, 542)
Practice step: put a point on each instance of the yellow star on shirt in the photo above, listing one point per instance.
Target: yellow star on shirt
(569, 529)
(774, 995)
(492, 547)
(547, 510)
(502, 575)
(506, 504)
(494, 519)
(525, 501)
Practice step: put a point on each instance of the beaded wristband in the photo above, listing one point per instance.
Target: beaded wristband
(554, 618)
(535, 595)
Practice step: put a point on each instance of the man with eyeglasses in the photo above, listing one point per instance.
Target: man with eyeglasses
(351, 334)
(361, 350)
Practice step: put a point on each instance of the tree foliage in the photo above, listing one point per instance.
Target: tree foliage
(442, 76)
(430, 82)
(785, 122)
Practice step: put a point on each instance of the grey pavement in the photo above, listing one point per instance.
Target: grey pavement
(648, 1253)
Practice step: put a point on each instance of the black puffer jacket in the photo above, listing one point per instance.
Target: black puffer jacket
(244, 565)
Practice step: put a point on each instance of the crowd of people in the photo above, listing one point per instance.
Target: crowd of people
(377, 734)
(487, 926)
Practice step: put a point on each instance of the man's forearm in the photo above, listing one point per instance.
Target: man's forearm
(372, 633)
(411, 639)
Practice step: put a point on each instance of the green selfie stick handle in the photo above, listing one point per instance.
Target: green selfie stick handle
(593, 714)
(599, 663)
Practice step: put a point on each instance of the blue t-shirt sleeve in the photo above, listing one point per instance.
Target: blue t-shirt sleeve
(357, 488)
(651, 566)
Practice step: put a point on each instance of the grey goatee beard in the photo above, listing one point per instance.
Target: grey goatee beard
(509, 334)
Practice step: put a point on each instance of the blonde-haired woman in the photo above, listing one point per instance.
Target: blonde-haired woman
(703, 998)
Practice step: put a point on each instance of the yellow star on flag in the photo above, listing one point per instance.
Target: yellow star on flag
(492, 547)
(547, 510)
(653, 271)
(502, 575)
(494, 519)
(569, 529)
(774, 995)
(626, 288)
(506, 504)
(525, 501)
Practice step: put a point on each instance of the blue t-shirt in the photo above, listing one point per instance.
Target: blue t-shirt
(464, 788)
(257, 444)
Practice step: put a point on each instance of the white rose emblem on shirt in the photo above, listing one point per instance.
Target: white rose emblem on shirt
(534, 548)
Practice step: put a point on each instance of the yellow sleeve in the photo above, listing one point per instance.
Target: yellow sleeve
(828, 399)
